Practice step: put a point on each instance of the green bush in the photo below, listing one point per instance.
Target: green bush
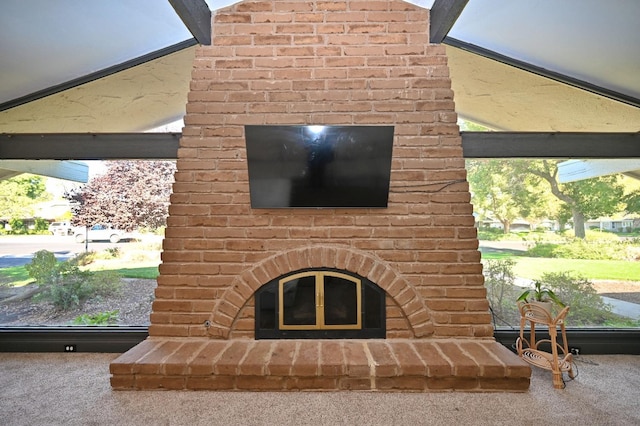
(592, 235)
(581, 249)
(101, 318)
(113, 252)
(41, 226)
(542, 250)
(598, 235)
(84, 258)
(490, 234)
(70, 289)
(65, 284)
(586, 305)
(17, 227)
(593, 250)
(43, 267)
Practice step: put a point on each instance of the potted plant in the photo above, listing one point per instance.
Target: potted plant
(542, 296)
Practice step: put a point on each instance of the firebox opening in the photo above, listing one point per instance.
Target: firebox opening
(320, 304)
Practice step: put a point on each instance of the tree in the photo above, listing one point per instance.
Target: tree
(563, 215)
(632, 202)
(587, 199)
(129, 194)
(19, 194)
(498, 190)
(631, 197)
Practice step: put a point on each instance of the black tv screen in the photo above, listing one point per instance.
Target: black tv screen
(319, 166)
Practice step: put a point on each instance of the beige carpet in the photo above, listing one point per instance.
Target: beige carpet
(73, 389)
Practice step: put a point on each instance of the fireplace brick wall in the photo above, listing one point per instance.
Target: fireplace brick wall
(321, 62)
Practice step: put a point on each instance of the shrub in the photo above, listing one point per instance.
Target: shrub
(65, 284)
(490, 234)
(593, 250)
(542, 250)
(41, 226)
(43, 267)
(501, 289)
(84, 259)
(581, 249)
(101, 318)
(592, 235)
(586, 306)
(107, 254)
(598, 235)
(17, 227)
(69, 290)
(113, 252)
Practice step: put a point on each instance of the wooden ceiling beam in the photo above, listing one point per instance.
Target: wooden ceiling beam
(196, 16)
(443, 15)
(151, 146)
(550, 145)
(89, 146)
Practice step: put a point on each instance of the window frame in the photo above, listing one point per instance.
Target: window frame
(145, 146)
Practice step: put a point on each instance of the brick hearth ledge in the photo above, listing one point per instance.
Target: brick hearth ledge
(316, 365)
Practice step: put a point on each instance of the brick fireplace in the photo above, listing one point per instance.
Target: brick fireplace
(321, 63)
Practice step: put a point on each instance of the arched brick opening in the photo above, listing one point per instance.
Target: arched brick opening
(365, 264)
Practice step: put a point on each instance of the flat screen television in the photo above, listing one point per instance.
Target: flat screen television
(319, 166)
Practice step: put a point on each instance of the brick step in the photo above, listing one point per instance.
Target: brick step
(273, 365)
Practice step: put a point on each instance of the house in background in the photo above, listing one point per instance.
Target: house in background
(626, 224)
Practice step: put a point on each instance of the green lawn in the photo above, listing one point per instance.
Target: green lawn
(534, 267)
(18, 275)
(149, 272)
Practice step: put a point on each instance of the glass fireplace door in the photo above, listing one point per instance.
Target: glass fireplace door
(320, 300)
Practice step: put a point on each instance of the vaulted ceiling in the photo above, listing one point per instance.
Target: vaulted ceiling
(124, 66)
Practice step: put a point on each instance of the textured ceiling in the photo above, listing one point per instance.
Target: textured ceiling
(44, 43)
(136, 99)
(503, 97)
(593, 41)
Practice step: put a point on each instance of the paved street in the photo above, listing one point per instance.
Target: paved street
(504, 245)
(16, 250)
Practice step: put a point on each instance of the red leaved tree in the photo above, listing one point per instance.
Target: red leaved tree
(129, 195)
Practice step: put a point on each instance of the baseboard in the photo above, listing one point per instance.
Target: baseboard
(118, 339)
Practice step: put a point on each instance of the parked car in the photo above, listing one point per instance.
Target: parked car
(61, 228)
(101, 233)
